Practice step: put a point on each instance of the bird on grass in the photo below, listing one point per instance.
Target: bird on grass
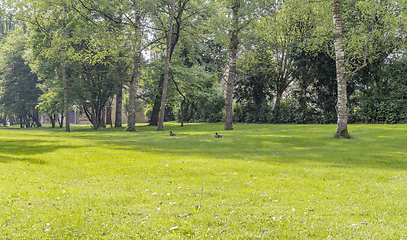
(172, 134)
(217, 135)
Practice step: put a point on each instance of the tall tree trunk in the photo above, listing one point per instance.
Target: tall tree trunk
(157, 103)
(67, 126)
(109, 115)
(182, 112)
(21, 121)
(61, 120)
(342, 105)
(27, 120)
(103, 118)
(234, 42)
(135, 74)
(119, 105)
(52, 118)
(167, 69)
(174, 40)
(37, 118)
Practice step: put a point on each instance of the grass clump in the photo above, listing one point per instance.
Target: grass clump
(258, 181)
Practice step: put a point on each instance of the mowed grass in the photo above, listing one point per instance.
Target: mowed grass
(258, 181)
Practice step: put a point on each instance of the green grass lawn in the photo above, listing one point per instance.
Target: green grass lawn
(258, 181)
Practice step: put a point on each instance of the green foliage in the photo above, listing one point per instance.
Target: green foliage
(258, 181)
(280, 43)
(383, 98)
(316, 90)
(18, 84)
(206, 105)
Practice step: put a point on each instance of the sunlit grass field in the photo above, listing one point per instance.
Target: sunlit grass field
(257, 182)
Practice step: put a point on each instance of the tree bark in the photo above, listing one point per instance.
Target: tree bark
(157, 103)
(21, 121)
(27, 121)
(342, 104)
(103, 118)
(135, 74)
(182, 112)
(119, 105)
(233, 44)
(52, 118)
(37, 118)
(167, 69)
(67, 126)
(61, 120)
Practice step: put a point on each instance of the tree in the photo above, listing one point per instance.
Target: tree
(342, 105)
(265, 70)
(50, 103)
(127, 16)
(19, 91)
(180, 22)
(241, 13)
(378, 28)
(167, 69)
(42, 15)
(63, 66)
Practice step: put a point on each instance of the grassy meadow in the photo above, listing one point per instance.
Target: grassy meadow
(257, 182)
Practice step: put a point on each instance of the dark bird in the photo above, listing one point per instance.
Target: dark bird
(172, 134)
(217, 135)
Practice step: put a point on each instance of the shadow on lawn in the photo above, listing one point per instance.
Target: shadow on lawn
(11, 150)
(276, 148)
(8, 159)
(273, 144)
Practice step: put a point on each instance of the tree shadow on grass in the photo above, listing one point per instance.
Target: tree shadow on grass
(8, 159)
(287, 149)
(15, 150)
(273, 144)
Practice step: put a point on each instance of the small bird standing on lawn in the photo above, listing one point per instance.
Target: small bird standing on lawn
(172, 134)
(217, 135)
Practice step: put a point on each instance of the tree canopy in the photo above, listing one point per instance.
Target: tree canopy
(269, 61)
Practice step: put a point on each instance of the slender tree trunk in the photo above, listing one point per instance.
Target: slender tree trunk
(37, 118)
(61, 120)
(21, 121)
(182, 112)
(174, 40)
(27, 121)
(157, 103)
(119, 105)
(67, 126)
(342, 105)
(167, 69)
(234, 42)
(52, 118)
(109, 114)
(103, 118)
(135, 75)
